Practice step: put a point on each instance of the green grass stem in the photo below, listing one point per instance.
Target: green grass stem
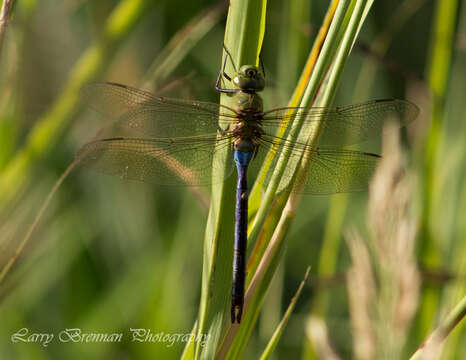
(263, 272)
(268, 352)
(437, 337)
(316, 77)
(243, 38)
(442, 44)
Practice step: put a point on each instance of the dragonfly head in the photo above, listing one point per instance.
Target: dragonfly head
(249, 78)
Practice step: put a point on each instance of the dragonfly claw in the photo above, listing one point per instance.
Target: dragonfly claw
(236, 312)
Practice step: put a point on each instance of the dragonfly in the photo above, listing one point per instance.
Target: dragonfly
(170, 141)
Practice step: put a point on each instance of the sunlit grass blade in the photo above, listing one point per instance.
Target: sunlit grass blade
(261, 277)
(257, 190)
(355, 18)
(434, 342)
(268, 352)
(316, 77)
(243, 39)
(258, 287)
(323, 61)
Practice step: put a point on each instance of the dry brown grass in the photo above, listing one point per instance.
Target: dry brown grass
(383, 282)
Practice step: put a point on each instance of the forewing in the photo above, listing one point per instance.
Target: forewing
(346, 125)
(148, 114)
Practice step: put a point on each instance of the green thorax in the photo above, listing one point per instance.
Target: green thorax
(248, 105)
(249, 80)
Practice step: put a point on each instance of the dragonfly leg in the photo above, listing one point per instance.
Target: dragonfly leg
(223, 74)
(218, 84)
(231, 58)
(223, 132)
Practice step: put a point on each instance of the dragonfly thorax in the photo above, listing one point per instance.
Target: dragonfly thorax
(248, 106)
(248, 103)
(247, 134)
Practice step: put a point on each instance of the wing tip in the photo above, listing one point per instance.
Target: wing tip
(410, 111)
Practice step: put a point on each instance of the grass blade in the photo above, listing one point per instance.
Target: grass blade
(433, 343)
(243, 38)
(267, 354)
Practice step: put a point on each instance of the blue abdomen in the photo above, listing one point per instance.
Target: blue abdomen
(242, 158)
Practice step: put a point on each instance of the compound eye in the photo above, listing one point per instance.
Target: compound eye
(251, 72)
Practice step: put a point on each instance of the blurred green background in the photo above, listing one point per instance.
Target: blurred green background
(111, 255)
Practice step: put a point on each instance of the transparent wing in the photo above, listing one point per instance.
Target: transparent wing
(154, 139)
(146, 113)
(160, 161)
(331, 170)
(339, 171)
(346, 125)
